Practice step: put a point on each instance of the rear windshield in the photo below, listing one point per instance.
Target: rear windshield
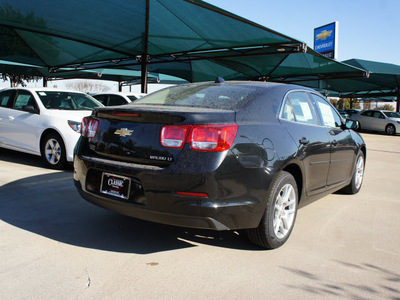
(230, 97)
(67, 100)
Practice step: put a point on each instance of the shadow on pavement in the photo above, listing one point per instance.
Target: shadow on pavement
(50, 206)
(320, 287)
(24, 159)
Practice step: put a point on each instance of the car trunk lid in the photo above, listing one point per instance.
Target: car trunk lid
(132, 133)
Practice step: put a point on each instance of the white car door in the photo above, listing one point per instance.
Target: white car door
(6, 102)
(21, 126)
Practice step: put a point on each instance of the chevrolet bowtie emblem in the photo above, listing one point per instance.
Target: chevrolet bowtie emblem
(123, 132)
(323, 35)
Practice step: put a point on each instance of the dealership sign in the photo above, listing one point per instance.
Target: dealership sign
(325, 40)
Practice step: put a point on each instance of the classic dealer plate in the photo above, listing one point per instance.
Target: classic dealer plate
(115, 185)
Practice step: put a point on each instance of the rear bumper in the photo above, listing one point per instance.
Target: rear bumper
(232, 203)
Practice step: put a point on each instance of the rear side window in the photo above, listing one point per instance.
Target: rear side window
(377, 114)
(101, 98)
(116, 100)
(367, 113)
(298, 108)
(230, 97)
(6, 98)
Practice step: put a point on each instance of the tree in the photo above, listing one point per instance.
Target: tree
(386, 107)
(347, 103)
(334, 102)
(87, 86)
(13, 46)
(366, 104)
(16, 80)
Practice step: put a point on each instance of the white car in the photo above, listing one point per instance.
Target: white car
(117, 98)
(378, 120)
(44, 122)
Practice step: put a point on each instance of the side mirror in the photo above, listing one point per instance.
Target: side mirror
(30, 109)
(352, 124)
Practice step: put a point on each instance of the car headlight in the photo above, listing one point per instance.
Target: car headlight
(75, 126)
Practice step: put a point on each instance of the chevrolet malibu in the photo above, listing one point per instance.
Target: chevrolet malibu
(222, 156)
(379, 120)
(44, 122)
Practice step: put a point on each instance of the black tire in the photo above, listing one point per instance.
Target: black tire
(53, 151)
(266, 235)
(390, 129)
(358, 176)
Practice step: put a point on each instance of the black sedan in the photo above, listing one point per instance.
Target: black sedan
(222, 156)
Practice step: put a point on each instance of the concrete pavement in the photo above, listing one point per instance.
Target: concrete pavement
(53, 244)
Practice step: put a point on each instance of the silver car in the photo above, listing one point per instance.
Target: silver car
(379, 120)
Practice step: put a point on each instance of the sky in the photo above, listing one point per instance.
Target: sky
(368, 29)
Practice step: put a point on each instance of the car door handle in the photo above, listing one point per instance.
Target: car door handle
(10, 118)
(304, 141)
(334, 143)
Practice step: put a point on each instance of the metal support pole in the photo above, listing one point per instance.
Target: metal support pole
(398, 94)
(44, 81)
(144, 75)
(145, 57)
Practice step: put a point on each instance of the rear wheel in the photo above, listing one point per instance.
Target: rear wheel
(280, 214)
(53, 151)
(358, 176)
(390, 129)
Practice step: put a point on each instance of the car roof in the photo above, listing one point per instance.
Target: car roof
(43, 89)
(120, 93)
(261, 84)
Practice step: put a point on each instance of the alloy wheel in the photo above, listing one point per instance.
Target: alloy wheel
(284, 211)
(359, 172)
(52, 151)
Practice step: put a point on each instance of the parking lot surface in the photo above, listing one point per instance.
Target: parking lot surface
(54, 244)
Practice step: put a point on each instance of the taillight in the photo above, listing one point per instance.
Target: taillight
(89, 127)
(213, 138)
(174, 136)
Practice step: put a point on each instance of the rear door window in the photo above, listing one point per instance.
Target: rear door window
(116, 100)
(298, 108)
(328, 115)
(101, 98)
(367, 113)
(7, 98)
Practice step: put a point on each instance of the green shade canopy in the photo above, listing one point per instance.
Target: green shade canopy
(121, 75)
(383, 80)
(76, 32)
(189, 39)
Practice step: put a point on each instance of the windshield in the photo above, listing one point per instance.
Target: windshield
(67, 100)
(209, 95)
(391, 114)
